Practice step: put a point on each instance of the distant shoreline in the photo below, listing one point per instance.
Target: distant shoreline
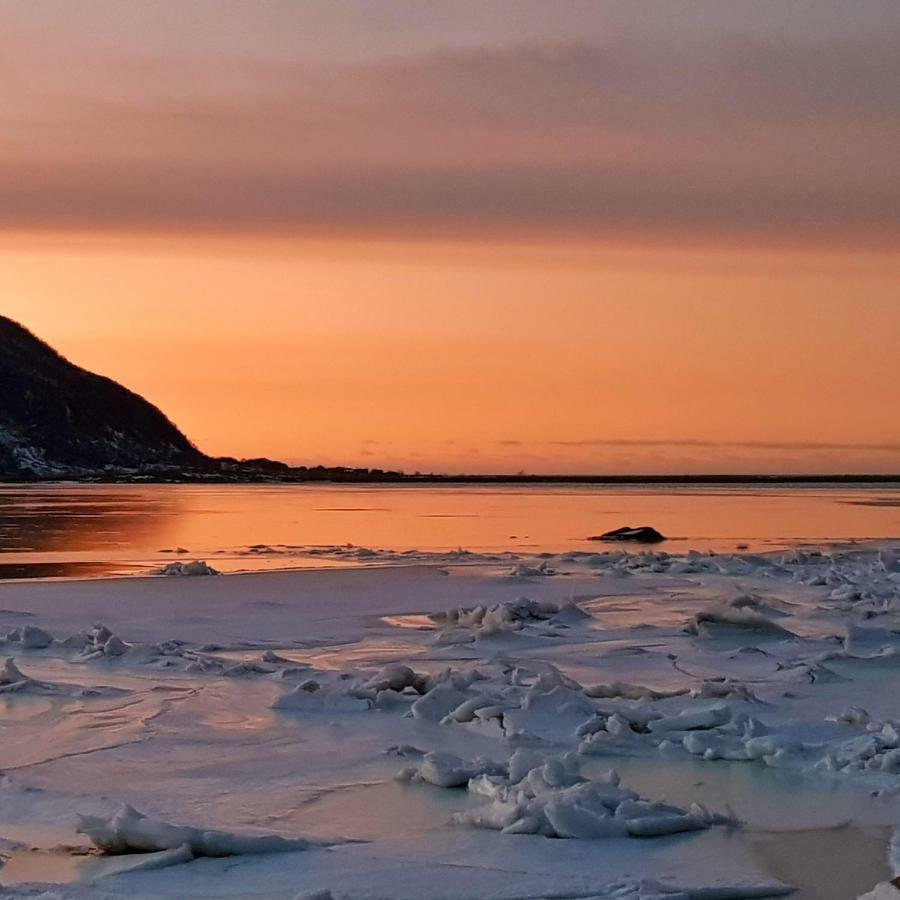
(358, 476)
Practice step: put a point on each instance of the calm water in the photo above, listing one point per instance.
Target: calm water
(87, 530)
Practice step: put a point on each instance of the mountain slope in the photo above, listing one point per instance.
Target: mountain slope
(56, 417)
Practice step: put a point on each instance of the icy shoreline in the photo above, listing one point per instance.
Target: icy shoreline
(430, 729)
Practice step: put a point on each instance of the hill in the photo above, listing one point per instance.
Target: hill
(58, 419)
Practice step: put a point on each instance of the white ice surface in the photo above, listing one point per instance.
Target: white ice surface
(760, 688)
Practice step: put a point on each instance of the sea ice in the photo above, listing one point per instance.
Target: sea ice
(196, 567)
(128, 831)
(742, 612)
(547, 795)
(797, 672)
(30, 637)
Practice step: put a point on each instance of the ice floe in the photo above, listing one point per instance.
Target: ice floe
(128, 831)
(547, 795)
(276, 696)
(193, 568)
(461, 625)
(742, 612)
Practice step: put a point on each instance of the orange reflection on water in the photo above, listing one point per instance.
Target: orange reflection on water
(120, 524)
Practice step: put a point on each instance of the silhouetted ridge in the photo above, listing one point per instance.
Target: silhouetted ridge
(58, 420)
(56, 416)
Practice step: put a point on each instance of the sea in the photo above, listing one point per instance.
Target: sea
(88, 531)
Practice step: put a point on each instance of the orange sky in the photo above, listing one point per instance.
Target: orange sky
(499, 357)
(494, 235)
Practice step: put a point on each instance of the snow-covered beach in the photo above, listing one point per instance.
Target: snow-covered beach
(618, 724)
(449, 451)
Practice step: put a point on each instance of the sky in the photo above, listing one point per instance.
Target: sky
(497, 235)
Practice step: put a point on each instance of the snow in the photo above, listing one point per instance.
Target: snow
(196, 567)
(128, 831)
(741, 612)
(884, 891)
(549, 796)
(12, 678)
(472, 756)
(448, 771)
(30, 637)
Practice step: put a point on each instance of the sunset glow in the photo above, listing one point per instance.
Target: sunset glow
(449, 449)
(582, 242)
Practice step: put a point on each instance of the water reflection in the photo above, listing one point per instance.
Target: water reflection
(85, 530)
(63, 518)
(81, 532)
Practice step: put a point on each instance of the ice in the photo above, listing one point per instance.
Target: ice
(742, 612)
(446, 770)
(548, 796)
(655, 890)
(128, 831)
(397, 677)
(507, 617)
(314, 696)
(523, 570)
(148, 862)
(625, 691)
(262, 705)
(867, 641)
(14, 681)
(888, 890)
(99, 642)
(439, 702)
(884, 891)
(30, 637)
(11, 678)
(196, 567)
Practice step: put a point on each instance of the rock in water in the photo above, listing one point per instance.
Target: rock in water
(642, 534)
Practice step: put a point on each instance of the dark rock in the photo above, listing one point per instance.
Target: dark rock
(60, 421)
(55, 416)
(642, 534)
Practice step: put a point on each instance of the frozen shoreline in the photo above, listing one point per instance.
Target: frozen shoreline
(95, 530)
(738, 695)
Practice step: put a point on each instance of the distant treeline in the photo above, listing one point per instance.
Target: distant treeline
(248, 471)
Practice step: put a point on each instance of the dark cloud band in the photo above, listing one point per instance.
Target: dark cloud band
(731, 135)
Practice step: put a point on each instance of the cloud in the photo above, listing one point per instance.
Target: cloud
(729, 134)
(701, 456)
(737, 445)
